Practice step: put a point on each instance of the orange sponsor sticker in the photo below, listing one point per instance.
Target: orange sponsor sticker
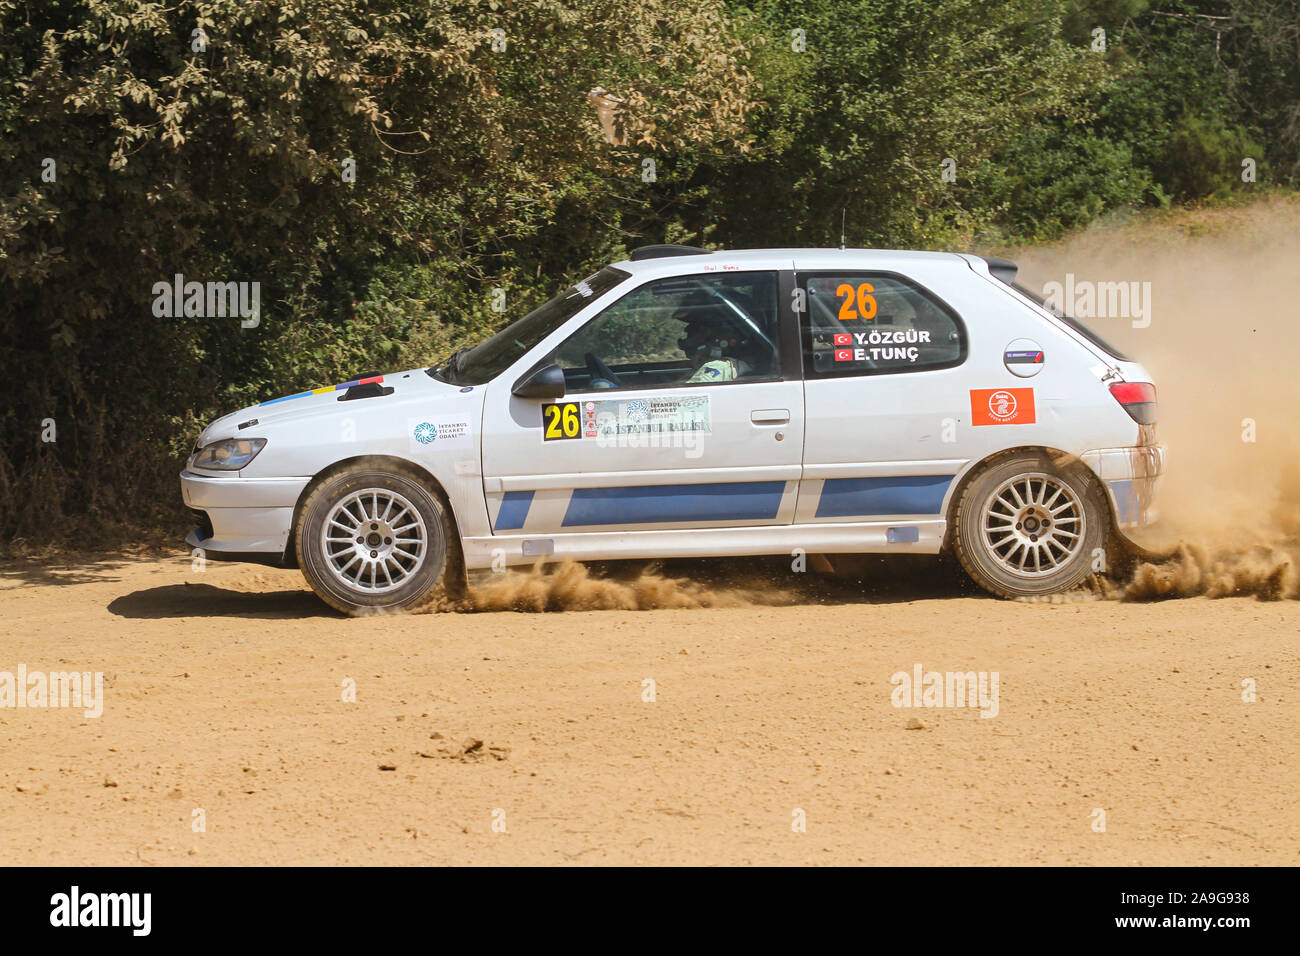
(1002, 406)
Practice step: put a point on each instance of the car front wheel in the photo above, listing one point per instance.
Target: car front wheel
(1028, 526)
(371, 539)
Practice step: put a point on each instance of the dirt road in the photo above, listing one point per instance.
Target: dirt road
(223, 705)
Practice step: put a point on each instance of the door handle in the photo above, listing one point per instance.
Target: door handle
(770, 416)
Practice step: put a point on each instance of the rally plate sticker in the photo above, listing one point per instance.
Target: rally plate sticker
(1002, 406)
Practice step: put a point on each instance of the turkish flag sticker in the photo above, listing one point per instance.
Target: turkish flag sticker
(843, 355)
(843, 339)
(1002, 406)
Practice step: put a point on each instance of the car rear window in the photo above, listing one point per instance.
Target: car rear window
(1072, 322)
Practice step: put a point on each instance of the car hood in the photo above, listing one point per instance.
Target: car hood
(325, 403)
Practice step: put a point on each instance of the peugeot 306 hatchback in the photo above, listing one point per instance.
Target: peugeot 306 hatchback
(687, 403)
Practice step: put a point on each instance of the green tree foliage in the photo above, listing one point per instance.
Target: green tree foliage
(1197, 87)
(886, 91)
(219, 155)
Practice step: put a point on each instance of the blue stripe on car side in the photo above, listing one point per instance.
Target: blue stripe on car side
(651, 504)
(514, 510)
(861, 497)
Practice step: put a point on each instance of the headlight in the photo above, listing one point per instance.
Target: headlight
(229, 454)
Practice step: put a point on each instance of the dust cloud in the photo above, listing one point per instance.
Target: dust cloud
(1222, 346)
(570, 586)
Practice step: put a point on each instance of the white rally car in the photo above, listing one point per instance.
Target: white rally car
(687, 403)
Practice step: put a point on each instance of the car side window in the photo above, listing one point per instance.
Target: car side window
(685, 330)
(871, 323)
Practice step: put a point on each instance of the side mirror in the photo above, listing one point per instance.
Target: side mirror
(544, 382)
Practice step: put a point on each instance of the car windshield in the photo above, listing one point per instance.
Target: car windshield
(488, 359)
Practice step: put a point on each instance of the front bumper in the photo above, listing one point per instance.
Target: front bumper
(251, 519)
(1131, 476)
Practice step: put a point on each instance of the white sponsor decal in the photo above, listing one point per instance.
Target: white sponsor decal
(656, 415)
(437, 432)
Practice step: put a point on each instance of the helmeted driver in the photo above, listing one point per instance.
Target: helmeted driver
(717, 350)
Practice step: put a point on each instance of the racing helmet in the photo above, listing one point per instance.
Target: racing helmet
(709, 326)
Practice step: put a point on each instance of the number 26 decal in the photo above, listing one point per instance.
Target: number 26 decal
(560, 420)
(866, 302)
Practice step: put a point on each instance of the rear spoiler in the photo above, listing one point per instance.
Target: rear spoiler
(1003, 269)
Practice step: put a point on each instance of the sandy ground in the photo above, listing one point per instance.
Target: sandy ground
(224, 694)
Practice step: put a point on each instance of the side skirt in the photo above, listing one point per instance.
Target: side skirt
(875, 537)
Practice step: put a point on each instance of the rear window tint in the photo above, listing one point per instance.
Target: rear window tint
(1072, 322)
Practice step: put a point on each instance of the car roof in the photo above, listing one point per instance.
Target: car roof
(721, 260)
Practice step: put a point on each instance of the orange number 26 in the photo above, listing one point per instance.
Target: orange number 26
(866, 302)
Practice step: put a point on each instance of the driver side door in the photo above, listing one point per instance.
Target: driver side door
(633, 445)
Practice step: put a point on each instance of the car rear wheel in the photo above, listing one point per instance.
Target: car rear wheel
(373, 538)
(1027, 526)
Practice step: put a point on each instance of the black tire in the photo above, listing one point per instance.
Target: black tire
(991, 537)
(321, 559)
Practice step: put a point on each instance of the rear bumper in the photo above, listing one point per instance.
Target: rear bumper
(1131, 476)
(249, 519)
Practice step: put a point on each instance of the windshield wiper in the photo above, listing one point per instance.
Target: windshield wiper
(452, 364)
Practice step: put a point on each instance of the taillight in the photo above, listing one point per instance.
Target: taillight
(1138, 399)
